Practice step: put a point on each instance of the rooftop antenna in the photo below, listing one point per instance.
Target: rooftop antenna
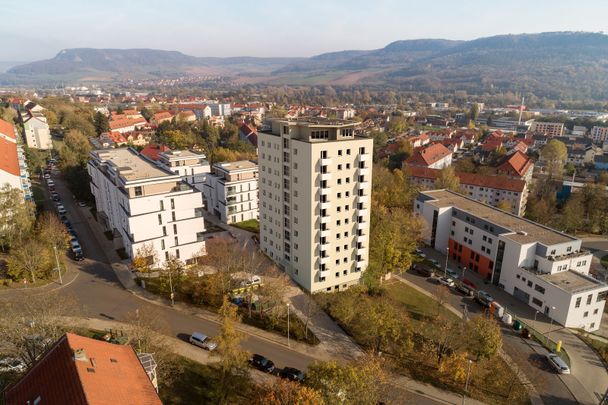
(521, 110)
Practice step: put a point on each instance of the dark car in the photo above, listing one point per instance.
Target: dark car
(262, 363)
(292, 374)
(423, 270)
(465, 289)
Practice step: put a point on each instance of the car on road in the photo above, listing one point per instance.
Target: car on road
(446, 281)
(262, 363)
(558, 363)
(465, 289)
(47, 176)
(452, 273)
(423, 270)
(469, 283)
(434, 263)
(56, 198)
(76, 250)
(12, 364)
(484, 298)
(201, 340)
(292, 374)
(61, 209)
(420, 253)
(50, 183)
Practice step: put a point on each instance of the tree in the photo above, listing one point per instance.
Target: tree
(504, 205)
(483, 336)
(101, 123)
(474, 112)
(360, 382)
(448, 179)
(284, 392)
(602, 177)
(32, 323)
(51, 232)
(233, 362)
(145, 258)
(29, 259)
(554, 154)
(573, 213)
(16, 216)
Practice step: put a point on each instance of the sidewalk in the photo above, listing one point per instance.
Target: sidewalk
(589, 378)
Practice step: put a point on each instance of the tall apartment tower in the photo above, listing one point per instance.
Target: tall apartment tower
(315, 190)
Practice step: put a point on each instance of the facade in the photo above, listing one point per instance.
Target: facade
(491, 190)
(315, 190)
(518, 165)
(548, 128)
(599, 134)
(220, 109)
(36, 130)
(231, 191)
(147, 206)
(125, 125)
(538, 265)
(92, 372)
(434, 156)
(191, 166)
(13, 169)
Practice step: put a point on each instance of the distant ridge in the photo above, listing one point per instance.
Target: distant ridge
(551, 64)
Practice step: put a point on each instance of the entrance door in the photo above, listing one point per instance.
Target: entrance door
(521, 295)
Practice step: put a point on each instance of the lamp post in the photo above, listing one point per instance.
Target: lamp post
(57, 262)
(171, 286)
(288, 343)
(463, 270)
(536, 313)
(551, 324)
(466, 384)
(447, 256)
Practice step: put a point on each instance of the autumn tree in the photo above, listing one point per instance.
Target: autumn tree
(554, 155)
(483, 336)
(29, 260)
(573, 213)
(51, 232)
(448, 179)
(16, 216)
(504, 205)
(145, 258)
(285, 392)
(233, 361)
(361, 382)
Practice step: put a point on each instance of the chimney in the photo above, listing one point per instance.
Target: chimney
(80, 355)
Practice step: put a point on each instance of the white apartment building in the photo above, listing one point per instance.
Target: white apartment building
(146, 205)
(548, 128)
(193, 167)
(315, 189)
(599, 134)
(220, 109)
(538, 265)
(231, 191)
(36, 130)
(12, 168)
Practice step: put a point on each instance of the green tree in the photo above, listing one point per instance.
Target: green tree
(101, 122)
(554, 155)
(474, 112)
(448, 179)
(16, 216)
(29, 259)
(573, 213)
(483, 336)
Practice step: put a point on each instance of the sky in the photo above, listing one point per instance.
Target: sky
(35, 29)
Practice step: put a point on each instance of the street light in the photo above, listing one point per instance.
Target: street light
(551, 324)
(463, 270)
(466, 385)
(447, 255)
(536, 313)
(57, 262)
(288, 343)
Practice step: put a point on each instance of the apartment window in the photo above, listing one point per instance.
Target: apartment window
(539, 289)
(162, 205)
(175, 229)
(160, 219)
(578, 303)
(164, 231)
(488, 251)
(518, 276)
(348, 165)
(362, 150)
(485, 238)
(172, 204)
(595, 311)
(339, 195)
(529, 283)
(348, 151)
(339, 167)
(586, 314)
(177, 253)
(347, 194)
(489, 240)
(166, 255)
(589, 299)
(537, 302)
(569, 249)
(339, 181)
(138, 191)
(162, 244)
(176, 241)
(340, 152)
(173, 216)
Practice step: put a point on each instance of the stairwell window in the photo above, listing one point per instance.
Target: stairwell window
(138, 191)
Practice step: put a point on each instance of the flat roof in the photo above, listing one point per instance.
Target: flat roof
(184, 153)
(572, 281)
(318, 121)
(236, 166)
(525, 231)
(130, 165)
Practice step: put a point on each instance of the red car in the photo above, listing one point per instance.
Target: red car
(468, 282)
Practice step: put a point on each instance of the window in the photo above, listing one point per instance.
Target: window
(177, 253)
(589, 298)
(162, 205)
(485, 238)
(595, 311)
(539, 289)
(138, 191)
(172, 204)
(339, 167)
(578, 303)
(537, 302)
(176, 241)
(162, 244)
(337, 274)
(160, 219)
(586, 314)
(173, 215)
(529, 283)
(348, 151)
(175, 229)
(518, 276)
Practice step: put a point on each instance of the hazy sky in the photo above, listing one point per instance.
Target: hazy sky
(37, 29)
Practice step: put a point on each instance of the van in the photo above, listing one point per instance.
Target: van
(558, 363)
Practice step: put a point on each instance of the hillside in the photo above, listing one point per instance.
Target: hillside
(556, 65)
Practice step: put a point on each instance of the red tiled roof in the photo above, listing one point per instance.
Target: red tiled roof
(516, 164)
(426, 156)
(9, 162)
(126, 122)
(6, 128)
(108, 374)
(117, 137)
(152, 151)
(479, 180)
(162, 115)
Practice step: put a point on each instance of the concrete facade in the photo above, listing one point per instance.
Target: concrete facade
(315, 190)
(193, 167)
(540, 266)
(146, 206)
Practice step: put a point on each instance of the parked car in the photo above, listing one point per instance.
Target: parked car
(47, 176)
(434, 262)
(76, 251)
(61, 210)
(420, 253)
(262, 363)
(423, 270)
(469, 283)
(292, 374)
(484, 298)
(465, 289)
(558, 363)
(446, 281)
(253, 280)
(204, 341)
(453, 274)
(50, 183)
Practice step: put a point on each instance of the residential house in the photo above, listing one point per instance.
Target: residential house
(36, 129)
(192, 166)
(434, 156)
(160, 117)
(249, 133)
(186, 116)
(518, 165)
(152, 151)
(83, 371)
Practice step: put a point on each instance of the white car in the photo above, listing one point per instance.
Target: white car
(446, 281)
(201, 340)
(558, 363)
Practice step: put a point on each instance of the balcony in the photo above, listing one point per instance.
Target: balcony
(325, 191)
(325, 233)
(363, 212)
(325, 176)
(364, 157)
(325, 205)
(324, 260)
(361, 238)
(364, 171)
(361, 225)
(362, 251)
(325, 161)
(326, 219)
(364, 199)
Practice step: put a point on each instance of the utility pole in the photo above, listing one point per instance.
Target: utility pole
(57, 262)
(288, 343)
(447, 256)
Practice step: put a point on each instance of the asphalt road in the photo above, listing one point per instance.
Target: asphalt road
(101, 295)
(548, 384)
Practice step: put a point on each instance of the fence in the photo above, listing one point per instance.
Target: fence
(545, 341)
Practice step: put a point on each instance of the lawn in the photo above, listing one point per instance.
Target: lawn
(251, 225)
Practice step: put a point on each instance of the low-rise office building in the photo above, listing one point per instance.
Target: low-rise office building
(546, 269)
(147, 206)
(231, 191)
